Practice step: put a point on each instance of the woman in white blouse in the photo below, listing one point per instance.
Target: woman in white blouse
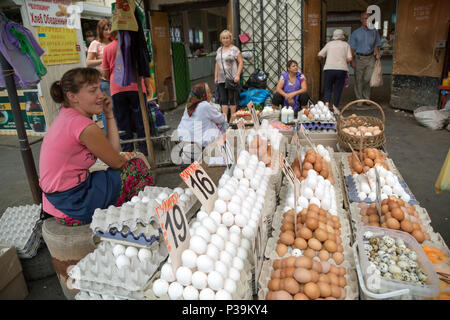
(201, 122)
(338, 54)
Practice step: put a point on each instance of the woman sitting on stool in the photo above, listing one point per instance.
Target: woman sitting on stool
(291, 88)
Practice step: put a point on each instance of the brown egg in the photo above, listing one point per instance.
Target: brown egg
(289, 219)
(338, 258)
(287, 226)
(277, 264)
(305, 233)
(312, 214)
(303, 262)
(393, 204)
(374, 218)
(286, 238)
(324, 173)
(330, 246)
(398, 214)
(309, 253)
(418, 235)
(276, 274)
(342, 271)
(337, 225)
(313, 207)
(343, 294)
(335, 291)
(325, 266)
(393, 223)
(320, 235)
(324, 255)
(384, 225)
(300, 243)
(323, 278)
(312, 290)
(325, 289)
(384, 209)
(291, 285)
(318, 166)
(406, 226)
(342, 281)
(312, 223)
(371, 154)
(274, 284)
(282, 249)
(307, 166)
(290, 272)
(331, 236)
(322, 226)
(322, 219)
(304, 173)
(334, 280)
(416, 226)
(311, 158)
(372, 211)
(302, 275)
(340, 248)
(363, 211)
(290, 212)
(314, 276)
(358, 167)
(330, 229)
(290, 262)
(270, 295)
(281, 295)
(314, 244)
(330, 298)
(300, 296)
(317, 266)
(334, 269)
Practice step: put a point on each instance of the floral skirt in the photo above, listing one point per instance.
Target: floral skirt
(134, 176)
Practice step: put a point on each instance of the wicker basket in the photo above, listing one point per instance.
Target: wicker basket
(345, 139)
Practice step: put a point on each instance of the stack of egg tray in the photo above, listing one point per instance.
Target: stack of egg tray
(318, 127)
(97, 273)
(21, 227)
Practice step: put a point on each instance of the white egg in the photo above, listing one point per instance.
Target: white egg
(249, 173)
(201, 231)
(188, 192)
(160, 287)
(327, 158)
(175, 290)
(252, 224)
(145, 199)
(220, 206)
(235, 238)
(238, 263)
(362, 196)
(325, 204)
(230, 188)
(144, 255)
(372, 196)
(406, 197)
(215, 280)
(383, 196)
(167, 272)
(245, 243)
(238, 173)
(163, 196)
(365, 187)
(201, 215)
(234, 208)
(240, 220)
(224, 194)
(308, 193)
(228, 219)
(234, 274)
(390, 180)
(213, 252)
(230, 286)
(184, 198)
(118, 250)
(226, 258)
(319, 193)
(244, 182)
(198, 244)
(296, 253)
(199, 280)
(184, 275)
(303, 202)
(236, 199)
(235, 229)
(398, 190)
(248, 232)
(135, 199)
(268, 171)
(209, 224)
(189, 258)
(122, 261)
(217, 217)
(130, 252)
(205, 263)
(315, 201)
(179, 190)
(190, 293)
(217, 241)
(387, 189)
(223, 295)
(207, 294)
(230, 248)
(222, 268)
(242, 163)
(222, 231)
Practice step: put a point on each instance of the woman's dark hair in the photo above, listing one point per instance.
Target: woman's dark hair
(72, 81)
(102, 23)
(290, 62)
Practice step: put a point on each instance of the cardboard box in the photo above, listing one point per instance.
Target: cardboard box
(12, 282)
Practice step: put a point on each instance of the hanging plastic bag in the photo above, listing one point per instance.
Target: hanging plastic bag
(123, 16)
(443, 181)
(377, 75)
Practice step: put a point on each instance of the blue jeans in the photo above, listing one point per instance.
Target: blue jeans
(333, 81)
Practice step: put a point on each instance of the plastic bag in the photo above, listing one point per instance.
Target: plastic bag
(255, 95)
(430, 117)
(377, 75)
(258, 79)
(443, 181)
(123, 16)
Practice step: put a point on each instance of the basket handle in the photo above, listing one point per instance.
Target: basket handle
(366, 101)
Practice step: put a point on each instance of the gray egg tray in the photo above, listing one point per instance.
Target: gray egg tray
(98, 291)
(84, 295)
(353, 191)
(21, 227)
(99, 266)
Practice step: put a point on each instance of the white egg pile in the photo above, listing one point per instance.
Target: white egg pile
(318, 112)
(221, 241)
(124, 254)
(389, 184)
(314, 189)
(266, 132)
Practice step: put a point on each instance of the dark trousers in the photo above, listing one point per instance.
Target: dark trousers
(127, 107)
(278, 100)
(333, 81)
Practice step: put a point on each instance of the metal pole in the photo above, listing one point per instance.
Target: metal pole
(27, 155)
(261, 16)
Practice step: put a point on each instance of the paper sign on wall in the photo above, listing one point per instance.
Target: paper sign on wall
(201, 185)
(60, 45)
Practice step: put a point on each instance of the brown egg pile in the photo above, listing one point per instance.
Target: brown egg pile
(261, 147)
(395, 214)
(302, 278)
(370, 158)
(363, 131)
(318, 234)
(313, 161)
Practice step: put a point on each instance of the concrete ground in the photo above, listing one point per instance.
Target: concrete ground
(418, 153)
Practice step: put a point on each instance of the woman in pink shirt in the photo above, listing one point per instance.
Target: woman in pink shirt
(72, 145)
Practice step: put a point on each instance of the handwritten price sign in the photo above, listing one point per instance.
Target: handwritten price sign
(201, 185)
(174, 225)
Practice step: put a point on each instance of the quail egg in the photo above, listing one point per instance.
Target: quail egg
(397, 276)
(403, 265)
(422, 276)
(399, 242)
(406, 276)
(388, 275)
(394, 269)
(385, 258)
(412, 255)
(414, 277)
(374, 241)
(383, 267)
(388, 241)
(399, 251)
(402, 257)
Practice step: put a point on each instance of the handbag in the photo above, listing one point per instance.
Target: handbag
(229, 82)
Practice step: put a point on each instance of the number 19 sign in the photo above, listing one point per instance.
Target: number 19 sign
(175, 228)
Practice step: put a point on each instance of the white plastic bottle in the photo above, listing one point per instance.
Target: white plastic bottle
(290, 115)
(284, 115)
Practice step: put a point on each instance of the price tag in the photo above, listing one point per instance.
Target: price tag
(378, 192)
(254, 115)
(290, 175)
(241, 131)
(258, 251)
(201, 185)
(174, 225)
(227, 154)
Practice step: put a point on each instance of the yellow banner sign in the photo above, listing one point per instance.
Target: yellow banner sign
(60, 45)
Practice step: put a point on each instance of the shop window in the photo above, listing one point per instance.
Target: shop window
(385, 28)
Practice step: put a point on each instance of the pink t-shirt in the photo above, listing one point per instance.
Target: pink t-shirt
(108, 63)
(97, 47)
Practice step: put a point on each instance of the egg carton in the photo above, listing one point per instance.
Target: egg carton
(243, 287)
(106, 292)
(351, 289)
(143, 236)
(318, 127)
(87, 295)
(99, 266)
(21, 227)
